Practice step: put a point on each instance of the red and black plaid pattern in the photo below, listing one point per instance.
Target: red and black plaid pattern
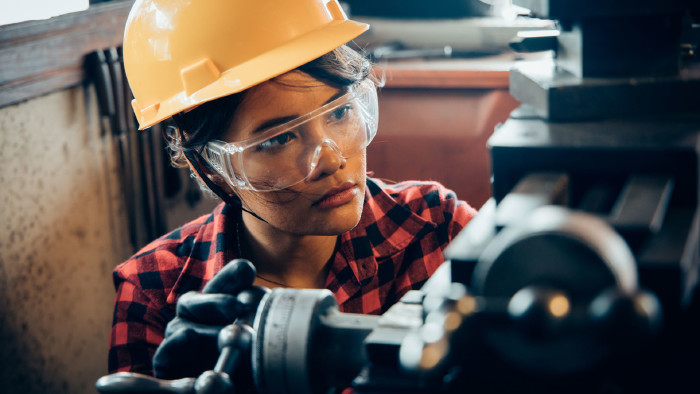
(397, 245)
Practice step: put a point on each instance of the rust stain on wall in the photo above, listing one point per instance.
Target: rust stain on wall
(61, 234)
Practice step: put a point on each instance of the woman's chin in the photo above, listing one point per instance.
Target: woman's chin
(340, 219)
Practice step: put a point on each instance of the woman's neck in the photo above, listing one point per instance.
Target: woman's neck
(284, 259)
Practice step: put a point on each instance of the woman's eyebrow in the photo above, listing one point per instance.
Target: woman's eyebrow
(338, 94)
(273, 122)
(284, 119)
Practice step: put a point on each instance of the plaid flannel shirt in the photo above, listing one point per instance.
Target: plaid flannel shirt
(396, 246)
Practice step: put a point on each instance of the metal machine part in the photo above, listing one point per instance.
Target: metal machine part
(615, 113)
(552, 304)
(304, 344)
(563, 260)
(566, 310)
(611, 59)
(234, 345)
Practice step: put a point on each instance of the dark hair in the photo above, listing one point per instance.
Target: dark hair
(341, 67)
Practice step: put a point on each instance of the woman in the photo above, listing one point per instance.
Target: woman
(273, 113)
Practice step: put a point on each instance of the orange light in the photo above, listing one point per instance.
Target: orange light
(559, 306)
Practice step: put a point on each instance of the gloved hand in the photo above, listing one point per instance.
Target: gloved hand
(190, 344)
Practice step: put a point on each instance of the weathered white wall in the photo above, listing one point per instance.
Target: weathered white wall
(62, 231)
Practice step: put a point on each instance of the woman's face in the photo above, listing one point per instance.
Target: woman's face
(329, 201)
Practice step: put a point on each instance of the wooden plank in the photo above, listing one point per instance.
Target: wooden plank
(446, 79)
(43, 84)
(40, 57)
(483, 72)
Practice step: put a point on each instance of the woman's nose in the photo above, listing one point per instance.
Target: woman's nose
(330, 160)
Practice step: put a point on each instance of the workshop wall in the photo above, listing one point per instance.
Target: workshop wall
(439, 134)
(61, 234)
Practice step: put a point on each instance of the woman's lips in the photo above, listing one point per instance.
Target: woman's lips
(337, 196)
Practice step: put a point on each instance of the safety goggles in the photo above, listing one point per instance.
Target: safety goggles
(287, 154)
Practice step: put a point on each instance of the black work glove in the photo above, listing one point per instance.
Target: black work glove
(190, 344)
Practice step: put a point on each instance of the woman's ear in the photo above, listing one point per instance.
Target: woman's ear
(202, 169)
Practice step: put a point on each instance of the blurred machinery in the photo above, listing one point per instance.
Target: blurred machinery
(450, 28)
(579, 275)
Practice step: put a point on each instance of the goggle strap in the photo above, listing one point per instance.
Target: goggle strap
(227, 198)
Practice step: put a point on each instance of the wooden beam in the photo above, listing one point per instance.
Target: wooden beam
(40, 57)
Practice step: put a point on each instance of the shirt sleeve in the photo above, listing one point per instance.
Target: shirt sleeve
(439, 205)
(457, 212)
(137, 330)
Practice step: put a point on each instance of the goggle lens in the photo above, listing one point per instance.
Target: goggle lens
(287, 155)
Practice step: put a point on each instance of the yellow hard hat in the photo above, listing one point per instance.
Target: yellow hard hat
(182, 53)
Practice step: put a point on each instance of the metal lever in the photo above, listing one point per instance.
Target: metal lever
(235, 344)
(235, 341)
(130, 382)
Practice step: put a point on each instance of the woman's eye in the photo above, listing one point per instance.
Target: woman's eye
(341, 112)
(276, 142)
